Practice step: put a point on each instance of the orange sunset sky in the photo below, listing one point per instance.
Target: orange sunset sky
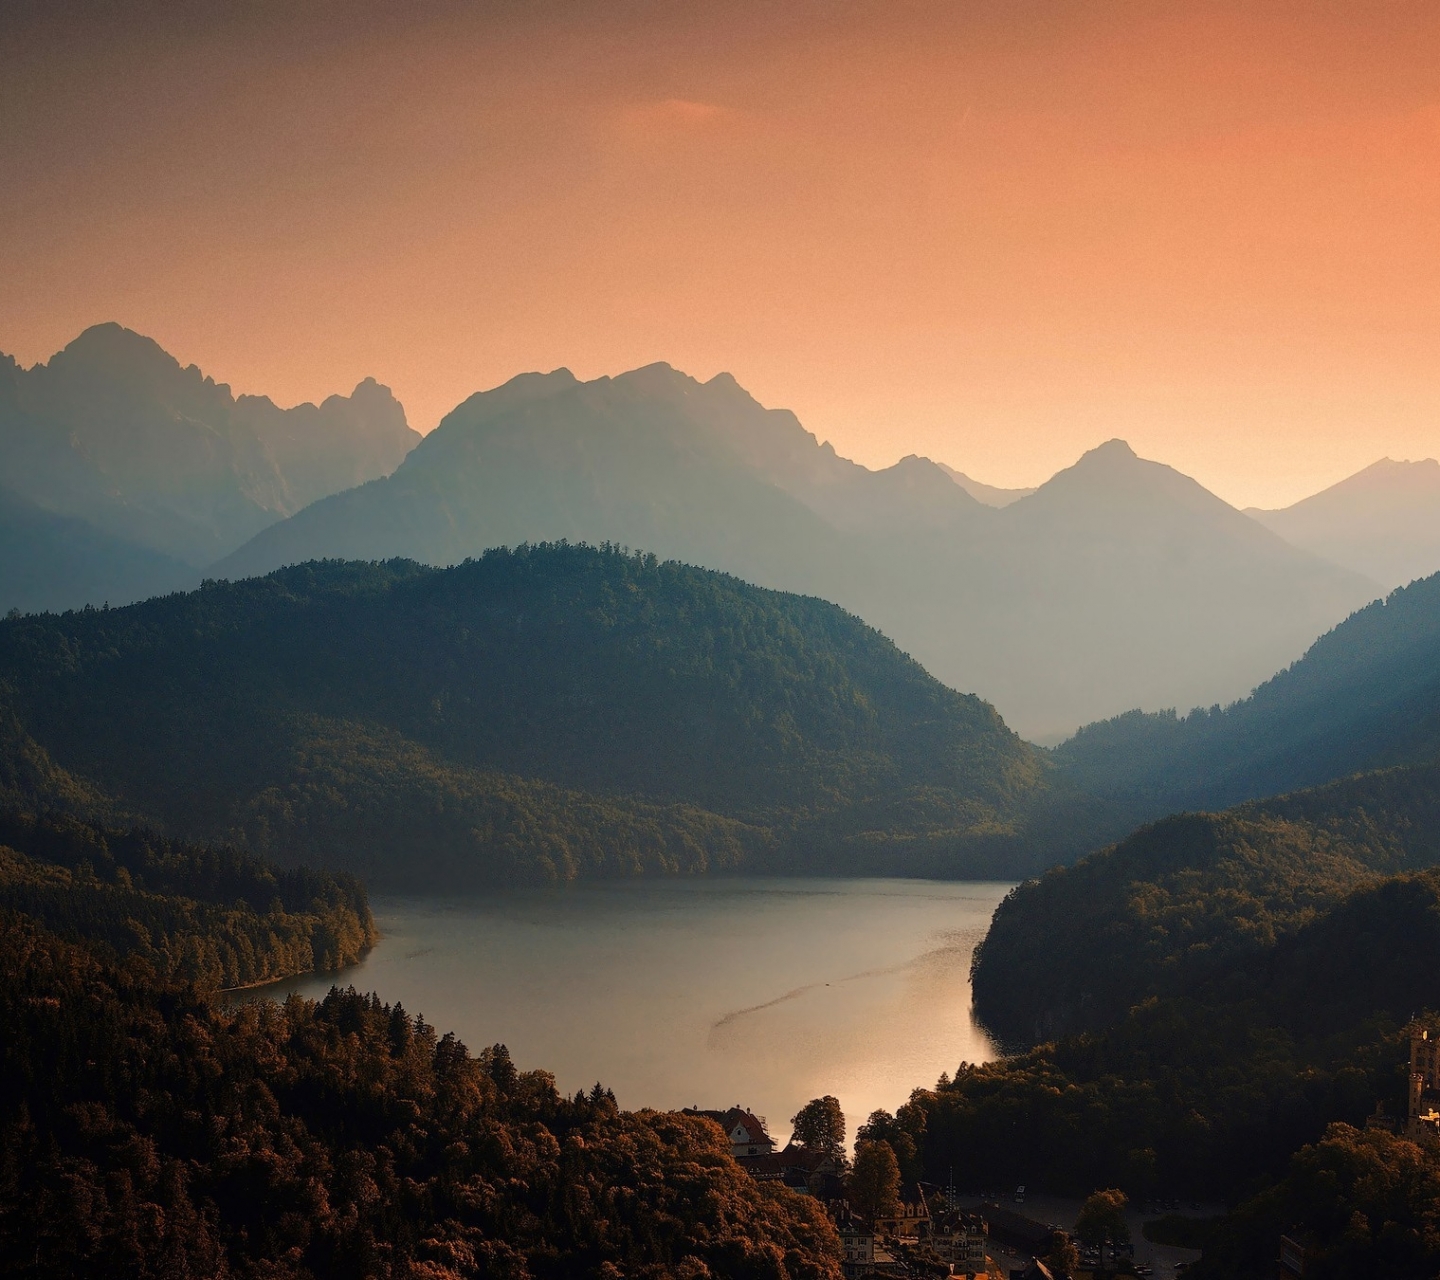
(993, 233)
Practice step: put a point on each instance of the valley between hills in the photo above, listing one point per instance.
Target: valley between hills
(643, 627)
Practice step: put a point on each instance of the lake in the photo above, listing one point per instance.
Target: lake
(699, 991)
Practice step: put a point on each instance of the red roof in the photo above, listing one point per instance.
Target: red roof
(727, 1120)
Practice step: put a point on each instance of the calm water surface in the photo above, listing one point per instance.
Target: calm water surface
(677, 992)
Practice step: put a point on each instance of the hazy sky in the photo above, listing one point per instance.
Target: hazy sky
(994, 233)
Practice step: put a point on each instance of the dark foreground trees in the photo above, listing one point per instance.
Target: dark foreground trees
(1360, 1202)
(820, 1126)
(874, 1182)
(146, 1133)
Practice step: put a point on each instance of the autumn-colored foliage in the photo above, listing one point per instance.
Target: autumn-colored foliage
(145, 1132)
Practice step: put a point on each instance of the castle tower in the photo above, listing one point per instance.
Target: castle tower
(1424, 1119)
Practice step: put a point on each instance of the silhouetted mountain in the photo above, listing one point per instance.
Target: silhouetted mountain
(634, 460)
(1383, 522)
(1120, 582)
(541, 714)
(989, 494)
(1121, 578)
(113, 431)
(1365, 695)
(58, 562)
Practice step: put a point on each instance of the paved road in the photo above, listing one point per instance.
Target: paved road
(1064, 1212)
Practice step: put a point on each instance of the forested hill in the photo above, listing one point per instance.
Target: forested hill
(1217, 1005)
(1192, 896)
(213, 918)
(146, 1131)
(1365, 695)
(540, 713)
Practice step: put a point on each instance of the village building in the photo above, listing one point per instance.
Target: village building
(960, 1239)
(1295, 1252)
(857, 1241)
(911, 1218)
(800, 1168)
(745, 1130)
(887, 1264)
(1424, 1111)
(1017, 1230)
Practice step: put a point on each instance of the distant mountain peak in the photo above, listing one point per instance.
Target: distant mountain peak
(1115, 467)
(113, 430)
(657, 379)
(1383, 521)
(373, 395)
(1112, 451)
(114, 350)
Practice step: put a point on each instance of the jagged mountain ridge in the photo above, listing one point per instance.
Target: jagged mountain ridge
(1118, 583)
(112, 430)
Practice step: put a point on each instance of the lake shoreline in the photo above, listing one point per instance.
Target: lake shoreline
(695, 990)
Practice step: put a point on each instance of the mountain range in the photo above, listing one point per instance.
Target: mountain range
(114, 432)
(1118, 583)
(1383, 521)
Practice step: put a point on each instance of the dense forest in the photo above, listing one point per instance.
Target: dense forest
(172, 912)
(145, 1132)
(1365, 695)
(148, 1131)
(1191, 896)
(536, 714)
(1221, 1002)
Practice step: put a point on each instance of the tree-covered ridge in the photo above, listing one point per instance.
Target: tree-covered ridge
(1190, 896)
(1208, 1091)
(173, 912)
(1365, 695)
(1361, 1202)
(145, 1133)
(549, 711)
(1229, 998)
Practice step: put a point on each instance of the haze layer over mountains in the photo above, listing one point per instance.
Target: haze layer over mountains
(168, 469)
(1119, 583)
(1383, 521)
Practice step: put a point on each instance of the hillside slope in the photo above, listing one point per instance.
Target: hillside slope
(1118, 583)
(546, 713)
(148, 1131)
(50, 562)
(1383, 521)
(1365, 695)
(1192, 896)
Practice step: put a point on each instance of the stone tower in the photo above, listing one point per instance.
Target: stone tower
(1424, 1118)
